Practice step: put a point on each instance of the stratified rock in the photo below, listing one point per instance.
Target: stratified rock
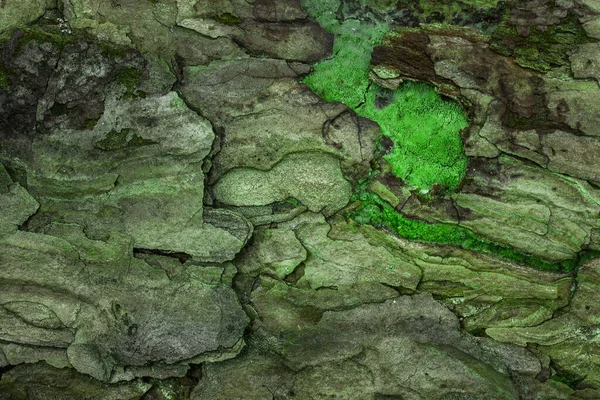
(264, 114)
(17, 204)
(135, 166)
(106, 310)
(249, 376)
(161, 28)
(304, 42)
(570, 339)
(393, 348)
(543, 207)
(549, 215)
(346, 265)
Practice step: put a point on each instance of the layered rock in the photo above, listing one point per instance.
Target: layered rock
(172, 192)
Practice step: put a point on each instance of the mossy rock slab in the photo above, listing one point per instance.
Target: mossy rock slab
(395, 339)
(305, 42)
(17, 206)
(337, 262)
(568, 339)
(276, 251)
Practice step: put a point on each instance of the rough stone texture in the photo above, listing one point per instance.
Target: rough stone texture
(16, 13)
(346, 266)
(17, 204)
(295, 42)
(569, 339)
(514, 112)
(263, 114)
(313, 179)
(354, 354)
(173, 204)
(131, 170)
(42, 382)
(111, 322)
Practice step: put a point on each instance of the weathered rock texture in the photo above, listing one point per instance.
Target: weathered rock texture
(175, 202)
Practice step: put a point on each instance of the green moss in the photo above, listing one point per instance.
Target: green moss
(227, 19)
(117, 140)
(129, 77)
(569, 379)
(540, 49)
(375, 211)
(4, 81)
(90, 123)
(58, 40)
(324, 12)
(423, 127)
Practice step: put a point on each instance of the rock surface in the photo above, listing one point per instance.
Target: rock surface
(179, 211)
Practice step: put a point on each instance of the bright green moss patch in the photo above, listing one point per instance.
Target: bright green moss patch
(427, 152)
(424, 128)
(375, 211)
(428, 149)
(345, 76)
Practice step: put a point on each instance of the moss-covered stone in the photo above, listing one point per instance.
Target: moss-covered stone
(541, 47)
(130, 78)
(121, 140)
(14, 14)
(41, 381)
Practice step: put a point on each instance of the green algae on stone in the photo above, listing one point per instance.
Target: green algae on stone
(227, 19)
(118, 140)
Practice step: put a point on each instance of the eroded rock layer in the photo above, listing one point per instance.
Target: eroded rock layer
(184, 215)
